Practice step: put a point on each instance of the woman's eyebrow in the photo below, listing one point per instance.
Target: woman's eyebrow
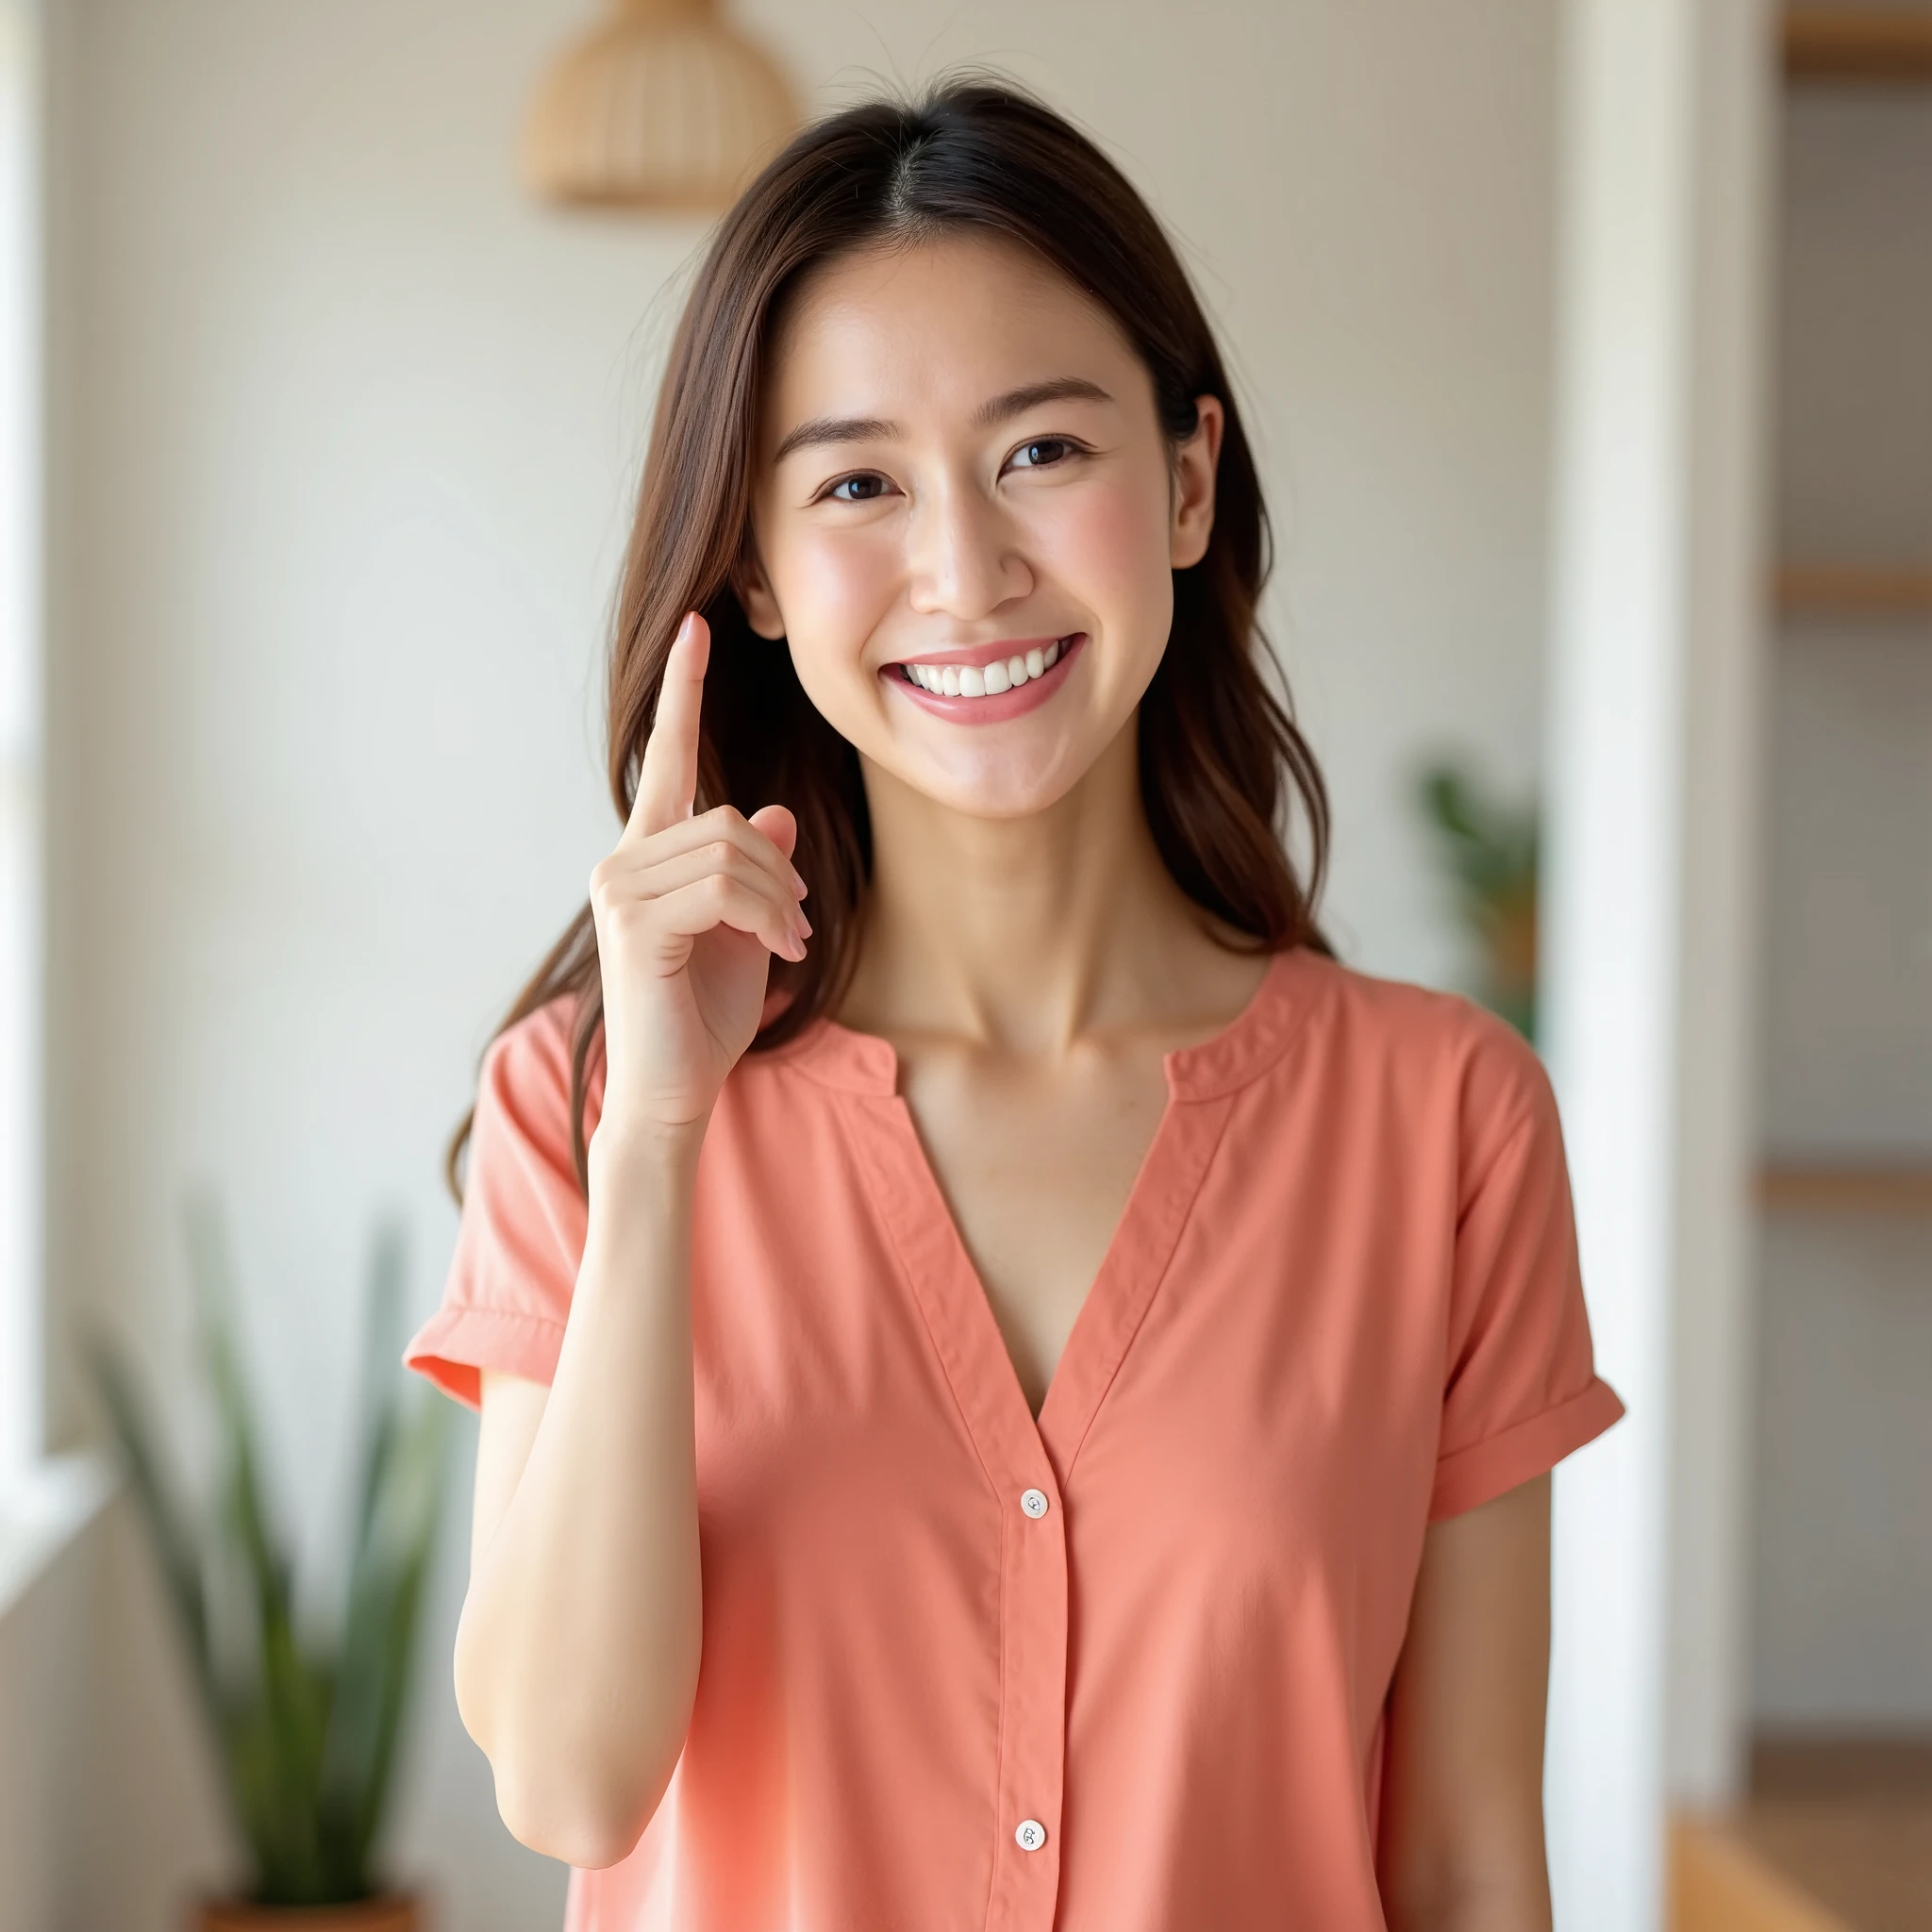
(1014, 402)
(1030, 395)
(836, 429)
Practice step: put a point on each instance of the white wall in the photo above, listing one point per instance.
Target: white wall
(343, 434)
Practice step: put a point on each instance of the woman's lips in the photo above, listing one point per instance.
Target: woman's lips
(996, 707)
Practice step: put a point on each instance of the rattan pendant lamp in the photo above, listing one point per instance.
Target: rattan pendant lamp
(664, 107)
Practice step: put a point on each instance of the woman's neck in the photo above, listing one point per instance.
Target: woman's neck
(1027, 934)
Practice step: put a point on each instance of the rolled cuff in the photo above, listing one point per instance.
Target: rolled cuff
(457, 1343)
(1498, 1463)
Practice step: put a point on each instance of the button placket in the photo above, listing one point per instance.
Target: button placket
(1025, 1892)
(1018, 1450)
(1033, 1598)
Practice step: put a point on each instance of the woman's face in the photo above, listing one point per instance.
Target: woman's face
(965, 514)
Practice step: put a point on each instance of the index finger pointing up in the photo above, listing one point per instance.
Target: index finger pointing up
(668, 773)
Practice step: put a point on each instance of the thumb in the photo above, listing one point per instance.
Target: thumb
(778, 825)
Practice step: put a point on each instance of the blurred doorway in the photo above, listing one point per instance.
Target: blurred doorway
(1838, 1829)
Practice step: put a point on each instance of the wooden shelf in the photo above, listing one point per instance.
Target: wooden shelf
(1852, 1766)
(1886, 45)
(1850, 591)
(1846, 1187)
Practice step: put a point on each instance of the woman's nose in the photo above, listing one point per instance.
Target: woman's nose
(964, 562)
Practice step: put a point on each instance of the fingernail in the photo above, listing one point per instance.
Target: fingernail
(803, 927)
(798, 884)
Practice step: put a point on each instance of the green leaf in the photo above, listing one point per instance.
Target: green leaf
(307, 1730)
(381, 1348)
(389, 1569)
(281, 1705)
(243, 1507)
(401, 1494)
(1490, 851)
(171, 1530)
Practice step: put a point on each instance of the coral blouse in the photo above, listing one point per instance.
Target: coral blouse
(1123, 1669)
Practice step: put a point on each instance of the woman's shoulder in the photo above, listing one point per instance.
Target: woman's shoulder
(527, 1073)
(535, 1050)
(1424, 1040)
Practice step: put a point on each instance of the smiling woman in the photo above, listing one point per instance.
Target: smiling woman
(1042, 233)
(900, 539)
(1021, 1398)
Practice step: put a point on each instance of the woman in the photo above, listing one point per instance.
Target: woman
(1016, 1391)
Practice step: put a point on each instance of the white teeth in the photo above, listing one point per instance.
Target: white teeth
(973, 681)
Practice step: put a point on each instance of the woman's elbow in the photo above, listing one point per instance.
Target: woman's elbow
(585, 1823)
(579, 1774)
(580, 1799)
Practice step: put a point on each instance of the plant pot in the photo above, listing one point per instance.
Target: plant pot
(392, 1912)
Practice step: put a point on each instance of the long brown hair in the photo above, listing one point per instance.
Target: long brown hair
(1222, 763)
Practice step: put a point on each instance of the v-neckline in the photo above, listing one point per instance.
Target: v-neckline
(906, 1194)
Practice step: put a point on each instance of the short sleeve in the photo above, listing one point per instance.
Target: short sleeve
(522, 1235)
(1522, 1389)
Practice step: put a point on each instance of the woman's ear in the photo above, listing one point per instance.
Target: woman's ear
(755, 594)
(1195, 464)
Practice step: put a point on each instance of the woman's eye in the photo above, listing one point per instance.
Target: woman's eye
(1042, 452)
(860, 488)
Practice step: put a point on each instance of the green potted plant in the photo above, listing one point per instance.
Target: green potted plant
(305, 1712)
(1489, 848)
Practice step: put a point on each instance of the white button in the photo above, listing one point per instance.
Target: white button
(1031, 1834)
(1034, 1503)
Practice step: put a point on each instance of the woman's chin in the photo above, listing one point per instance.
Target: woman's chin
(993, 784)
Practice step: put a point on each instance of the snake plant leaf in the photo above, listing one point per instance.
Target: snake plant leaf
(306, 1721)
(381, 1346)
(401, 1491)
(243, 1502)
(171, 1530)
(389, 1569)
(275, 1736)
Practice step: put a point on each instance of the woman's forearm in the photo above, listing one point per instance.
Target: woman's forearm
(577, 1659)
(1462, 1824)
(1506, 1901)
(577, 1654)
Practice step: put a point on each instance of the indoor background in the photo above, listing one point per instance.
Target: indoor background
(1587, 351)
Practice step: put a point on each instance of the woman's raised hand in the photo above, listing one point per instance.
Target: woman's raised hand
(688, 911)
